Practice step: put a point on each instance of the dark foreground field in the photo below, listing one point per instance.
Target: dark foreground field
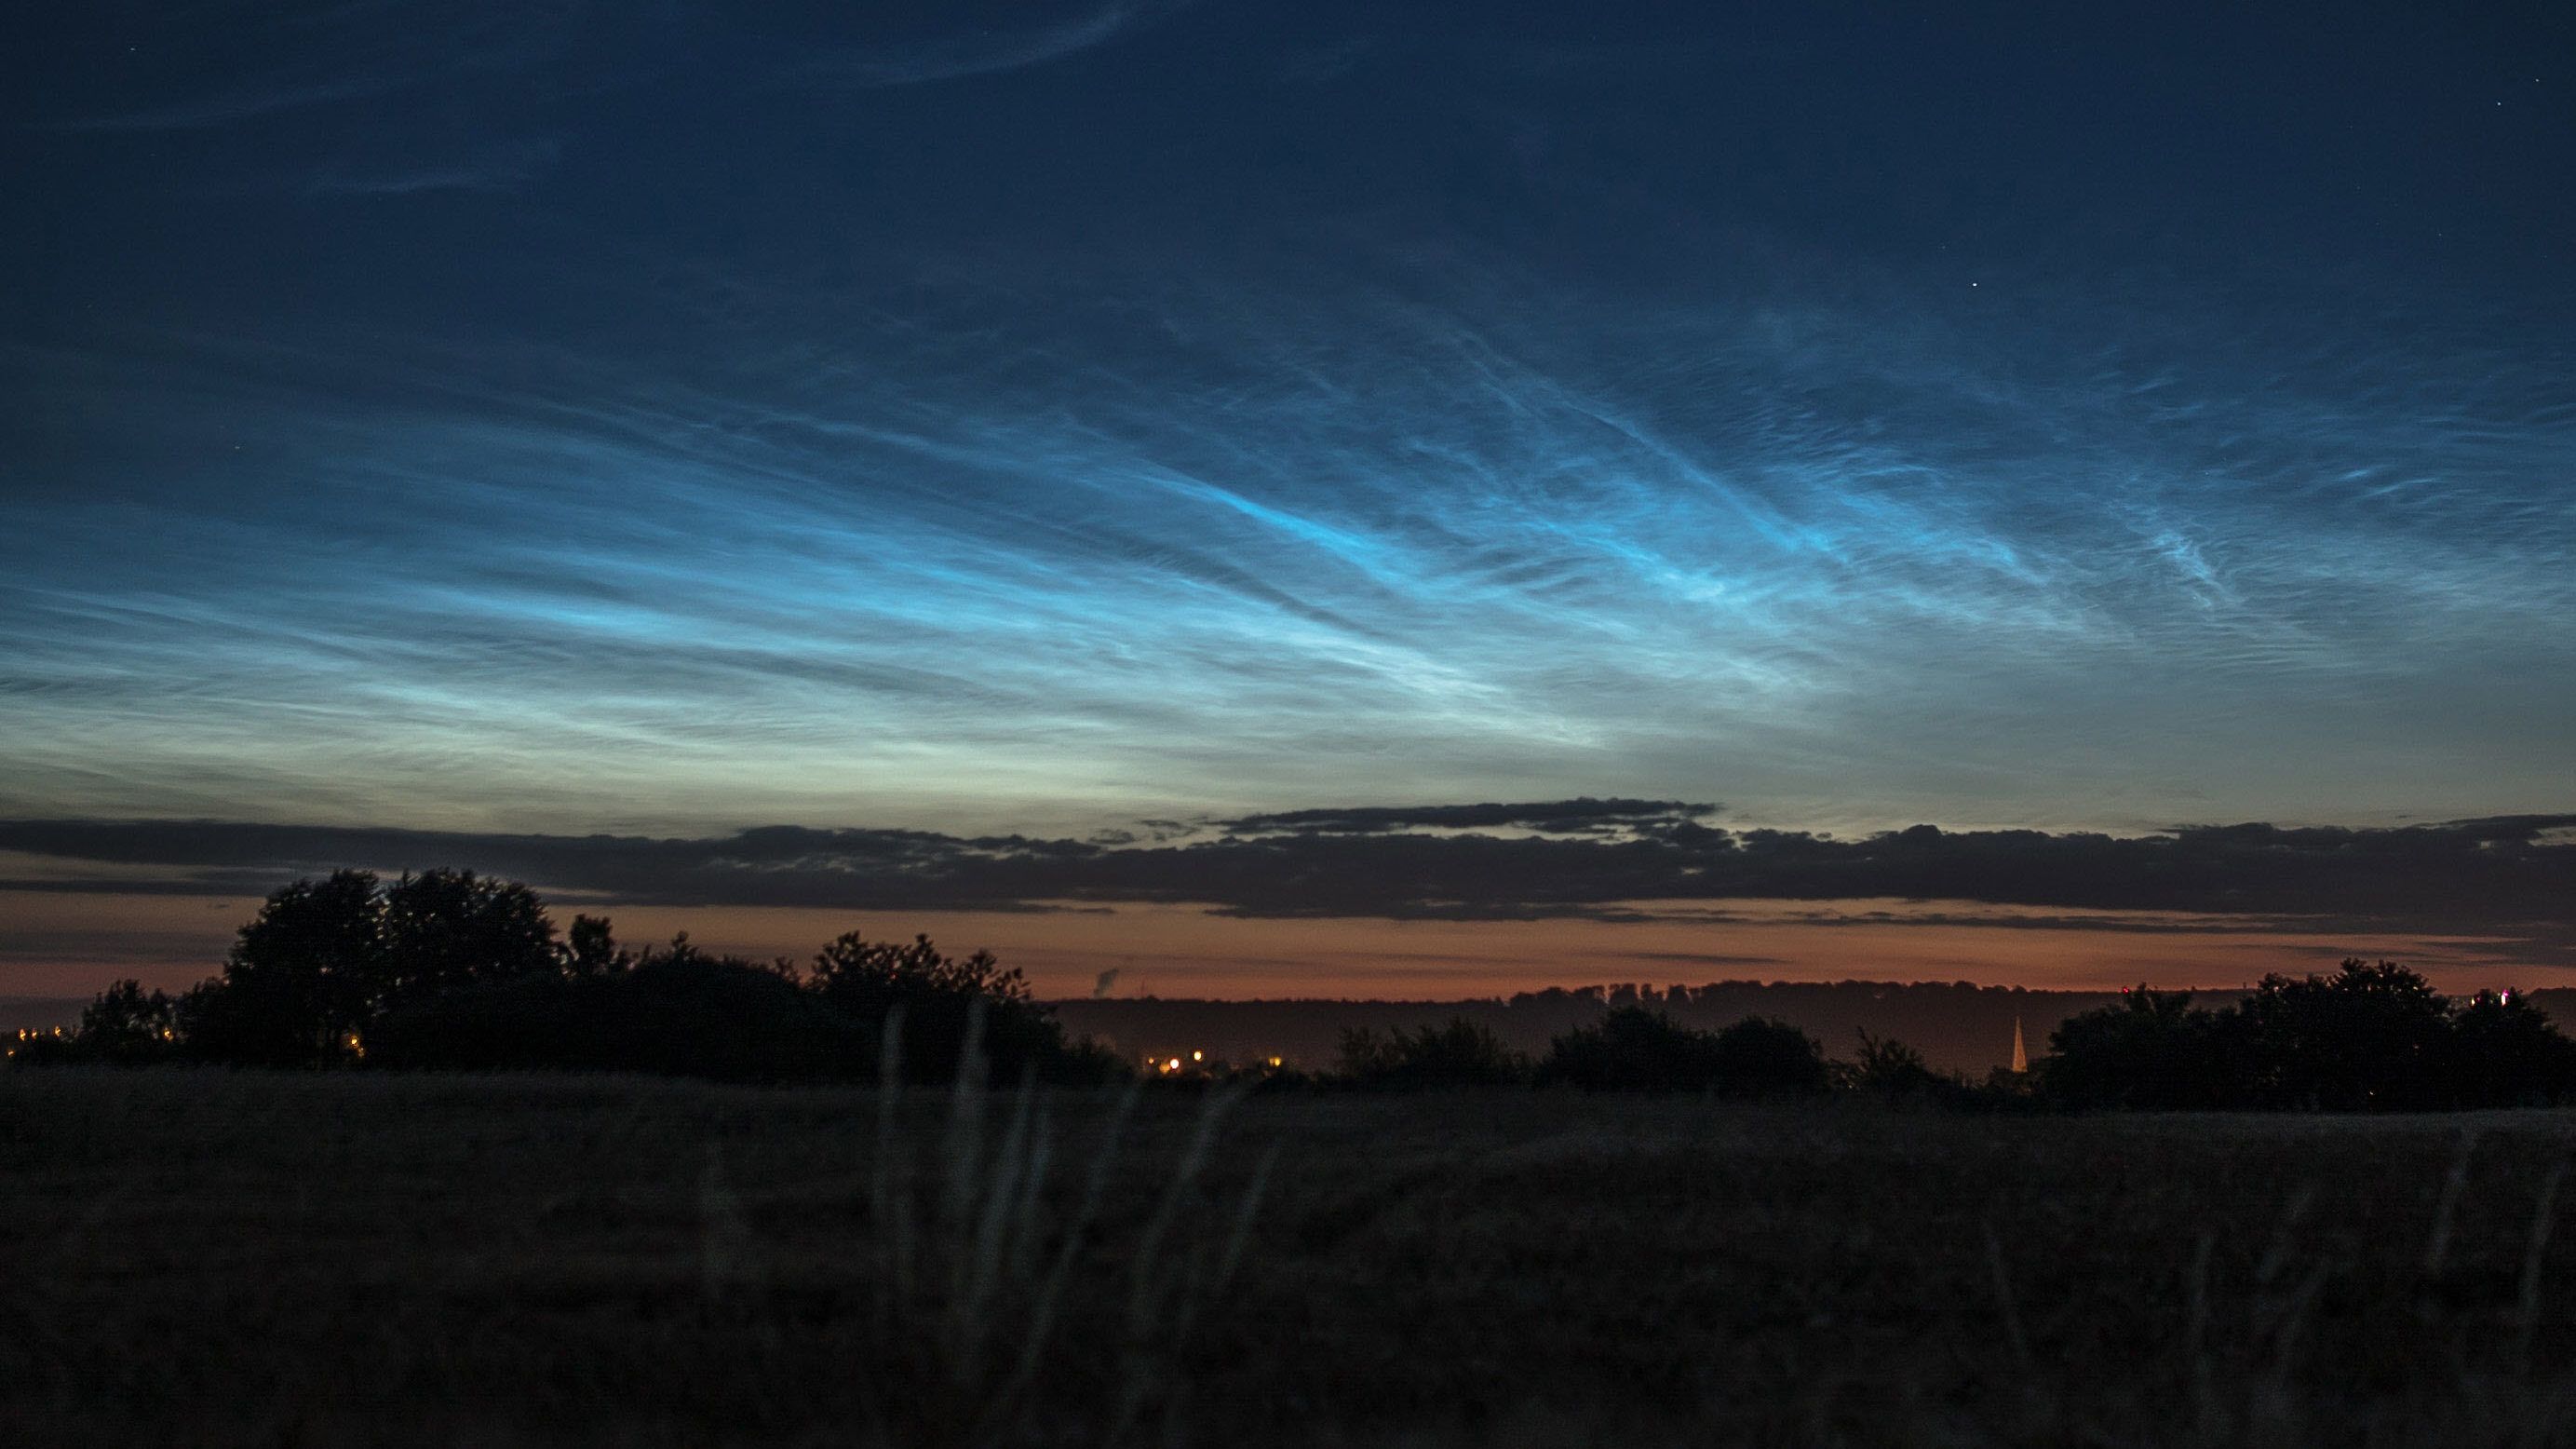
(351, 1259)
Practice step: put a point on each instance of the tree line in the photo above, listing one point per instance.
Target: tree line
(1641, 1049)
(2370, 1037)
(449, 970)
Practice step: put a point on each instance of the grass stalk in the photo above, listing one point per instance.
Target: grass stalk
(2437, 1243)
(2004, 1299)
(2544, 1216)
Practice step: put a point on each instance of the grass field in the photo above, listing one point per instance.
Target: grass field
(243, 1259)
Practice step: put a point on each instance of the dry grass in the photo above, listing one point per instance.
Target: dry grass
(212, 1259)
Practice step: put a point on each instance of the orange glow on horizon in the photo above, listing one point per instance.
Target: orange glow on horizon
(73, 944)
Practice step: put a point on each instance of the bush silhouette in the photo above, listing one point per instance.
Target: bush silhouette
(2151, 1052)
(2505, 1052)
(1640, 1049)
(1458, 1053)
(868, 980)
(2368, 1038)
(1765, 1057)
(2372, 1037)
(1891, 1070)
(448, 969)
(1631, 1049)
(127, 1026)
(590, 948)
(679, 1012)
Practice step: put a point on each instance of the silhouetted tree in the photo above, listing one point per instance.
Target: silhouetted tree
(1642, 1049)
(1767, 1057)
(868, 980)
(299, 980)
(1888, 1068)
(128, 1024)
(124, 1025)
(447, 968)
(323, 959)
(2505, 1052)
(1458, 1053)
(2153, 1051)
(449, 928)
(675, 1011)
(2371, 1037)
(590, 948)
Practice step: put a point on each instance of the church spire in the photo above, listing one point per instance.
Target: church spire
(2021, 1059)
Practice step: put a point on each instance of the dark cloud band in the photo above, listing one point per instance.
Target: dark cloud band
(1584, 815)
(2481, 875)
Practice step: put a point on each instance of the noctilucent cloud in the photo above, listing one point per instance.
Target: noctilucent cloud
(567, 417)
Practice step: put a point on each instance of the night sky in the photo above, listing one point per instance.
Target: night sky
(1146, 455)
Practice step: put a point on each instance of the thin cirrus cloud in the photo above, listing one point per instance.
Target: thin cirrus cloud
(500, 166)
(223, 66)
(272, 96)
(982, 51)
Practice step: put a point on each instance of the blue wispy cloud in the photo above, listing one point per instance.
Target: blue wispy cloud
(1161, 438)
(981, 50)
(1778, 552)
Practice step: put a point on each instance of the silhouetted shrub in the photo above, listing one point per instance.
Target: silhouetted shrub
(590, 948)
(1087, 1063)
(2368, 1038)
(1766, 1057)
(1639, 1049)
(2373, 1037)
(2151, 1052)
(1458, 1053)
(124, 1026)
(2505, 1052)
(1631, 1049)
(1892, 1071)
(52, 1047)
(676, 1013)
(448, 969)
(866, 980)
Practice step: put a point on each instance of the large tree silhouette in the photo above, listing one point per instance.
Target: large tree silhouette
(2372, 1037)
(324, 959)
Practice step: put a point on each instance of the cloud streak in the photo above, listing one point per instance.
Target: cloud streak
(275, 61)
(982, 52)
(1584, 816)
(2480, 875)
